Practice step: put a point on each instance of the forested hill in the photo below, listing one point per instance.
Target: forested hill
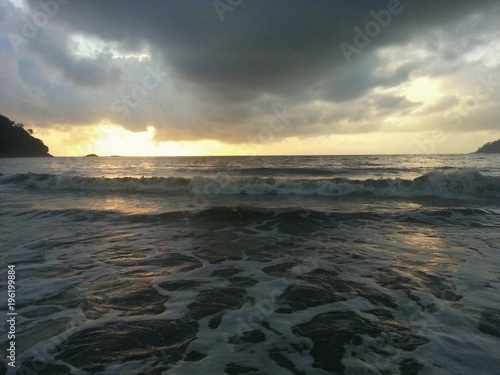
(16, 141)
(490, 148)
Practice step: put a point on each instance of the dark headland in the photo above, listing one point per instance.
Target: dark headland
(16, 141)
(490, 148)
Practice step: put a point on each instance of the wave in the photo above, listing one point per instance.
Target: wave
(290, 171)
(245, 215)
(313, 219)
(67, 182)
(462, 184)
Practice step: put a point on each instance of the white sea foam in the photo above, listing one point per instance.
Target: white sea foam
(455, 185)
(84, 265)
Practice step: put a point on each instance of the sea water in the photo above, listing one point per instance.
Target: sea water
(252, 265)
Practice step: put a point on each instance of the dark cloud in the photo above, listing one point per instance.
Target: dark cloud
(228, 70)
(258, 44)
(95, 71)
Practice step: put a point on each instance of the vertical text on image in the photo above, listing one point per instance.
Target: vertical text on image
(11, 315)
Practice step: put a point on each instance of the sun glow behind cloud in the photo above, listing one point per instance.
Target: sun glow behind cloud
(92, 79)
(422, 89)
(89, 47)
(109, 139)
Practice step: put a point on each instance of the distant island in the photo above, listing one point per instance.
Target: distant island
(16, 141)
(91, 156)
(490, 148)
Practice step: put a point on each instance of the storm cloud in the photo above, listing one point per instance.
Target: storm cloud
(225, 69)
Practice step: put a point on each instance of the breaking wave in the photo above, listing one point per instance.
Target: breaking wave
(454, 185)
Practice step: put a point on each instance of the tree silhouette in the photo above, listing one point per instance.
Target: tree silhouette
(15, 141)
(490, 148)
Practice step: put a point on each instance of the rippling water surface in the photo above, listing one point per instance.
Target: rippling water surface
(253, 265)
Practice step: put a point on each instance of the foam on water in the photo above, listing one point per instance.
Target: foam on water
(295, 272)
(250, 278)
(465, 184)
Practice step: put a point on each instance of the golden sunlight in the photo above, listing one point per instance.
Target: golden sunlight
(422, 89)
(108, 139)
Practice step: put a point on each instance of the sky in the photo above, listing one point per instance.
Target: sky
(243, 77)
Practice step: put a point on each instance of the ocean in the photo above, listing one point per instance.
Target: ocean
(251, 265)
